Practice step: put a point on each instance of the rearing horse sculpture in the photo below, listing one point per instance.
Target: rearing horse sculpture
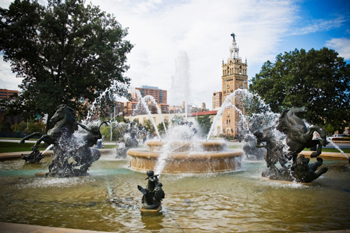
(64, 121)
(298, 135)
(66, 146)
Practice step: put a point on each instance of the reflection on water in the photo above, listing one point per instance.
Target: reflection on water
(108, 200)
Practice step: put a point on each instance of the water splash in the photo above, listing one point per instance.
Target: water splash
(142, 101)
(337, 147)
(116, 91)
(159, 110)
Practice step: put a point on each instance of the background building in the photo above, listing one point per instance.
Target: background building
(159, 95)
(234, 76)
(6, 94)
(217, 99)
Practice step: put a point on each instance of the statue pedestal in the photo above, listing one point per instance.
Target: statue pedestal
(143, 210)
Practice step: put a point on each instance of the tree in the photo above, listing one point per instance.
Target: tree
(66, 52)
(160, 126)
(149, 126)
(205, 123)
(317, 79)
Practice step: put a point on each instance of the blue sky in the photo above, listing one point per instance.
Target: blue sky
(161, 30)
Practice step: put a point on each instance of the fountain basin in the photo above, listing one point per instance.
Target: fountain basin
(211, 158)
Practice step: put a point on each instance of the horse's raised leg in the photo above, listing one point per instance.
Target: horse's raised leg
(30, 136)
(318, 150)
(44, 138)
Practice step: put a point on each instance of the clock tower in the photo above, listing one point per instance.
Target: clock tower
(234, 76)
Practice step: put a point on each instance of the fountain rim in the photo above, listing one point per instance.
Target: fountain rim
(185, 143)
(186, 155)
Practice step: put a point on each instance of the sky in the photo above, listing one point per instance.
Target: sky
(162, 31)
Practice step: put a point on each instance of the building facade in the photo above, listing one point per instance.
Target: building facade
(234, 76)
(159, 95)
(6, 94)
(217, 99)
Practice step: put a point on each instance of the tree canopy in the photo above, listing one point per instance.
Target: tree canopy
(317, 79)
(66, 53)
(205, 123)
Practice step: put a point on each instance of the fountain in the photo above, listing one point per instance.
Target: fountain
(208, 188)
(213, 201)
(182, 151)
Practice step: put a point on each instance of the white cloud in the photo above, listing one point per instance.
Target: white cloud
(8, 79)
(320, 25)
(201, 28)
(341, 45)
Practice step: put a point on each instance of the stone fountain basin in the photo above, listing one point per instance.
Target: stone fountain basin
(211, 157)
(181, 146)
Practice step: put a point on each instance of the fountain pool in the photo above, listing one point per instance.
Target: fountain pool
(108, 200)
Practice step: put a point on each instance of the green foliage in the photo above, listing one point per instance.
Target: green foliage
(21, 127)
(65, 53)
(317, 79)
(149, 126)
(5, 126)
(204, 122)
(160, 126)
(106, 133)
(329, 129)
(36, 127)
(30, 127)
(177, 119)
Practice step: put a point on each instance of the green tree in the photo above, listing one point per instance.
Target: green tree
(205, 123)
(66, 52)
(21, 127)
(317, 79)
(160, 126)
(149, 126)
(5, 126)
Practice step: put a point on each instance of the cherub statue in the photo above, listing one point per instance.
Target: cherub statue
(153, 194)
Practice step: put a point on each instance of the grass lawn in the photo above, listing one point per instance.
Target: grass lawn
(15, 147)
(109, 146)
(331, 150)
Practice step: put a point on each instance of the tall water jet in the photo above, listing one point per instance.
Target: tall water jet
(180, 83)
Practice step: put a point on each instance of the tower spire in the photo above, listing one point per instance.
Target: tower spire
(234, 50)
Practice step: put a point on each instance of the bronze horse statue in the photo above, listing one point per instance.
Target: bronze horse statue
(66, 146)
(298, 135)
(64, 121)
